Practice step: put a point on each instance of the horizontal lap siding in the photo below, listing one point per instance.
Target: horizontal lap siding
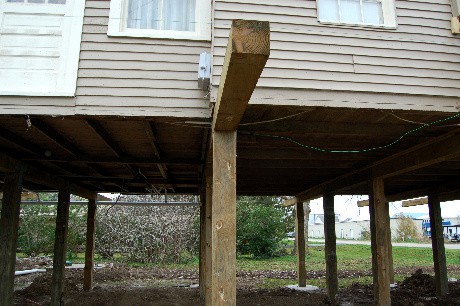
(420, 57)
(136, 76)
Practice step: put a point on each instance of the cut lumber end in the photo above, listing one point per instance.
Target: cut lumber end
(247, 52)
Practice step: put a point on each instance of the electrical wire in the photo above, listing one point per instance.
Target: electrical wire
(412, 131)
(273, 120)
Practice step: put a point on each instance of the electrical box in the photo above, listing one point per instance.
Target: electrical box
(456, 25)
(204, 71)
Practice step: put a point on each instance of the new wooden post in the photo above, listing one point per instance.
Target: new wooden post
(437, 241)
(332, 281)
(224, 219)
(247, 52)
(9, 224)
(60, 244)
(89, 251)
(202, 267)
(382, 227)
(300, 241)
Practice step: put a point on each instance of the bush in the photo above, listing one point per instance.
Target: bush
(37, 228)
(148, 234)
(260, 226)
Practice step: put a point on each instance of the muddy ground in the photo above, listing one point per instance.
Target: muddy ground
(118, 284)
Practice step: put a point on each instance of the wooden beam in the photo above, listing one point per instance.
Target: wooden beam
(33, 174)
(106, 138)
(150, 130)
(437, 241)
(437, 150)
(224, 219)
(332, 281)
(9, 225)
(60, 246)
(390, 246)
(89, 251)
(415, 202)
(247, 52)
(300, 244)
(113, 160)
(363, 203)
(381, 221)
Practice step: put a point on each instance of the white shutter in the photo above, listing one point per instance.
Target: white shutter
(39, 46)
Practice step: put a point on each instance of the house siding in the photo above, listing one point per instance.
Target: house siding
(419, 59)
(136, 76)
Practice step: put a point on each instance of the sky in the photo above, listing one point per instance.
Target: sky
(347, 207)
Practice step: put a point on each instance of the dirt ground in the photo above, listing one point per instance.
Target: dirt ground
(121, 285)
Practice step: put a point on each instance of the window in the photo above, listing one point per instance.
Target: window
(40, 46)
(176, 19)
(380, 13)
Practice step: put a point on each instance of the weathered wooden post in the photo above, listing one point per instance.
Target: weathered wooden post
(300, 244)
(208, 237)
(381, 245)
(437, 241)
(60, 245)
(9, 224)
(332, 281)
(202, 264)
(89, 251)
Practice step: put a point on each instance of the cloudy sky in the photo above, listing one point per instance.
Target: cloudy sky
(347, 207)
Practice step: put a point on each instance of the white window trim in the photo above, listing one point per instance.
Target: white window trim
(117, 24)
(389, 17)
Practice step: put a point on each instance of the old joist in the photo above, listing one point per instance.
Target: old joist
(437, 150)
(247, 52)
(32, 174)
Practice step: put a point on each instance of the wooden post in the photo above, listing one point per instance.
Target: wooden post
(332, 281)
(9, 224)
(437, 241)
(208, 237)
(60, 241)
(224, 219)
(202, 267)
(373, 244)
(89, 251)
(390, 246)
(300, 245)
(382, 226)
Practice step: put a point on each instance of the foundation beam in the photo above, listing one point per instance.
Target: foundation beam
(300, 241)
(9, 224)
(437, 241)
(89, 251)
(332, 281)
(60, 245)
(202, 267)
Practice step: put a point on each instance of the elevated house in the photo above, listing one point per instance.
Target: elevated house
(356, 97)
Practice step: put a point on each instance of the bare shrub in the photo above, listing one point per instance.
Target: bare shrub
(148, 233)
(407, 229)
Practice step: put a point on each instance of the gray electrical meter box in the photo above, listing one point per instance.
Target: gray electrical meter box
(204, 71)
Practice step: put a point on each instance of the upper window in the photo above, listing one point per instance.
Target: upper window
(379, 13)
(176, 19)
